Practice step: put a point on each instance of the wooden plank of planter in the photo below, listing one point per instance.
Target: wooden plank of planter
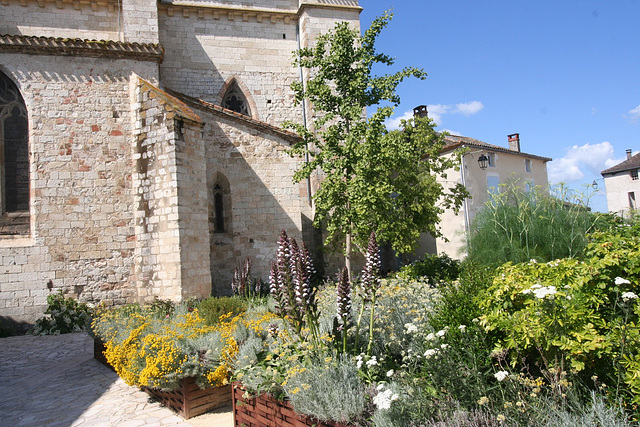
(189, 402)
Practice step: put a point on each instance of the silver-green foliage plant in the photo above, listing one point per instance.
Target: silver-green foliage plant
(373, 180)
(329, 389)
(517, 225)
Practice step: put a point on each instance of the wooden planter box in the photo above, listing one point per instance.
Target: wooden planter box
(98, 353)
(188, 400)
(264, 411)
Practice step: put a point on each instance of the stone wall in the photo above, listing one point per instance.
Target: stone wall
(60, 19)
(82, 235)
(204, 53)
(262, 197)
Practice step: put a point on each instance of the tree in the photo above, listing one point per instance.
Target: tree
(372, 180)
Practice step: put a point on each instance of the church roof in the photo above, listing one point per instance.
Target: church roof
(32, 45)
(631, 163)
(216, 109)
(456, 141)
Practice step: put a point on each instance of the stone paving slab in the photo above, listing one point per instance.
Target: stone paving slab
(55, 381)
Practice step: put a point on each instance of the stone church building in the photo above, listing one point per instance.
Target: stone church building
(142, 152)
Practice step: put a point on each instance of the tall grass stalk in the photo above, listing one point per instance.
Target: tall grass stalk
(517, 226)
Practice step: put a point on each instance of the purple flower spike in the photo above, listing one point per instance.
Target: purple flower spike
(344, 297)
(370, 281)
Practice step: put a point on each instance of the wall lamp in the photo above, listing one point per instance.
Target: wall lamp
(483, 162)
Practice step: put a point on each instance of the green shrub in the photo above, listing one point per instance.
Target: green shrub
(212, 308)
(63, 315)
(578, 315)
(435, 268)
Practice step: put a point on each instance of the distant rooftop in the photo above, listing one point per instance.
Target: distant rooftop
(456, 141)
(632, 162)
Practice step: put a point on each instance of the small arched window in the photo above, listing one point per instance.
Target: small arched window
(218, 208)
(235, 100)
(14, 159)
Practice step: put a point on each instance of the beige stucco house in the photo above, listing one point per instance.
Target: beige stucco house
(483, 168)
(622, 185)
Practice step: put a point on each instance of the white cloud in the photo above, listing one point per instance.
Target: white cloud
(394, 122)
(437, 111)
(588, 158)
(634, 114)
(469, 108)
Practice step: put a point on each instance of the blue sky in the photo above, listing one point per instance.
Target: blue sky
(565, 74)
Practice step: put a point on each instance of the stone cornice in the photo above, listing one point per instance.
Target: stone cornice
(79, 47)
(112, 5)
(218, 11)
(231, 13)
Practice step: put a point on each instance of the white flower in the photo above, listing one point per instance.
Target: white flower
(533, 261)
(444, 346)
(462, 328)
(536, 286)
(379, 387)
(544, 291)
(359, 364)
(390, 373)
(526, 291)
(430, 353)
(501, 375)
(430, 337)
(441, 333)
(629, 296)
(372, 362)
(410, 327)
(621, 281)
(383, 399)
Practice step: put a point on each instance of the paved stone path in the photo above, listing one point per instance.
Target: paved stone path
(55, 381)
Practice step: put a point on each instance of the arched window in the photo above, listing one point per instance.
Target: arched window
(218, 209)
(219, 205)
(235, 100)
(14, 159)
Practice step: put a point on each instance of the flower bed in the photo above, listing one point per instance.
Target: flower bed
(265, 410)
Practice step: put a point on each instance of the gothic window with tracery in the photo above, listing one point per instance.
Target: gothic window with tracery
(235, 100)
(14, 159)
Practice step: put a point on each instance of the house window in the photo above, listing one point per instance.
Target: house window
(235, 100)
(527, 165)
(632, 200)
(493, 184)
(14, 160)
(492, 160)
(634, 174)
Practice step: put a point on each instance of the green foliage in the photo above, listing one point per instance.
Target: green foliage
(63, 315)
(578, 315)
(212, 308)
(517, 226)
(457, 303)
(372, 180)
(435, 268)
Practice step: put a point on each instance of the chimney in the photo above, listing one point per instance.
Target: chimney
(420, 111)
(514, 142)
(628, 151)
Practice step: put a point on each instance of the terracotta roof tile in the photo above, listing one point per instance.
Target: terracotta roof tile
(80, 47)
(456, 141)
